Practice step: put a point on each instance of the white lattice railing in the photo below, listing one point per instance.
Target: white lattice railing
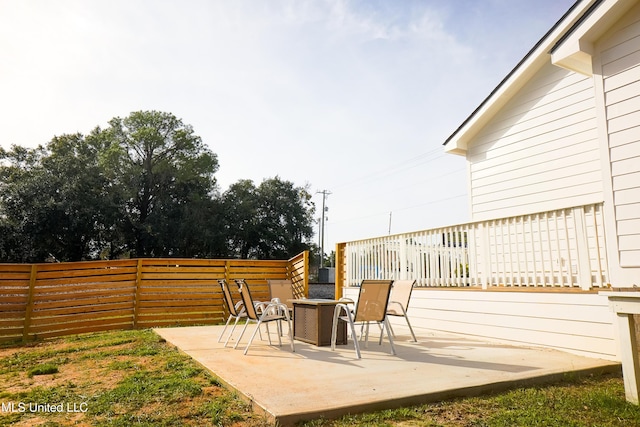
(561, 248)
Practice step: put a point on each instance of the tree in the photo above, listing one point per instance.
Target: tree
(286, 218)
(165, 176)
(274, 220)
(142, 187)
(20, 176)
(53, 201)
(241, 227)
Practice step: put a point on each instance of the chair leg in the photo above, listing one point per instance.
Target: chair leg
(334, 327)
(279, 332)
(225, 328)
(356, 344)
(386, 324)
(268, 333)
(366, 335)
(293, 349)
(392, 331)
(406, 318)
(241, 334)
(246, 349)
(233, 328)
(410, 328)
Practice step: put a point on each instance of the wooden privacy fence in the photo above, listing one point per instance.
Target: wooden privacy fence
(48, 300)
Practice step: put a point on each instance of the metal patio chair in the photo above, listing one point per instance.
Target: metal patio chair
(283, 291)
(399, 302)
(271, 312)
(370, 307)
(236, 311)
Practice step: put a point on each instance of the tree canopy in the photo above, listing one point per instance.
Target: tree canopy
(272, 220)
(142, 187)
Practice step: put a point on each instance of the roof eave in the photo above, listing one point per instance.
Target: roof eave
(457, 143)
(576, 48)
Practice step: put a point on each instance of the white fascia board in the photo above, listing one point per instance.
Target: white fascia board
(458, 142)
(576, 51)
(575, 56)
(454, 147)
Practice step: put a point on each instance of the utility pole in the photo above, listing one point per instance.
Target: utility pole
(324, 193)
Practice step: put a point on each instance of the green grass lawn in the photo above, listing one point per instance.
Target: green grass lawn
(134, 378)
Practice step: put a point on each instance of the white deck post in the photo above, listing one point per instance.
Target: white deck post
(404, 257)
(582, 248)
(625, 305)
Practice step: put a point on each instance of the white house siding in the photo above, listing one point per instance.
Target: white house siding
(540, 152)
(620, 66)
(573, 322)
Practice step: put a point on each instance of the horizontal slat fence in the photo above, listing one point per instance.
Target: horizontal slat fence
(48, 300)
(14, 299)
(297, 272)
(73, 298)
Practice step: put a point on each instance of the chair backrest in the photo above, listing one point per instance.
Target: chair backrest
(283, 290)
(247, 300)
(228, 300)
(400, 293)
(373, 300)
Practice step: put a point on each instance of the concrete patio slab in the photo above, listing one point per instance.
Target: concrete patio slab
(316, 382)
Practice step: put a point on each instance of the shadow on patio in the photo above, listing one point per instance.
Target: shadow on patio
(315, 382)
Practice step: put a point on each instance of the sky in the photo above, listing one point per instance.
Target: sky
(351, 98)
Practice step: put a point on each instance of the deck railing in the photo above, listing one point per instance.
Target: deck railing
(48, 300)
(561, 248)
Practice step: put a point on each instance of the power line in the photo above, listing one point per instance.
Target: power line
(325, 194)
(401, 209)
(382, 173)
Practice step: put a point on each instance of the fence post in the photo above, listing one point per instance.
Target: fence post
(227, 271)
(288, 269)
(305, 257)
(136, 302)
(340, 270)
(29, 307)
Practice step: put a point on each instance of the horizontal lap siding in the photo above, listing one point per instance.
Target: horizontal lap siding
(576, 323)
(620, 58)
(541, 152)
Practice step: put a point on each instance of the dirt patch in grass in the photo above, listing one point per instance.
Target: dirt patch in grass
(91, 375)
(116, 378)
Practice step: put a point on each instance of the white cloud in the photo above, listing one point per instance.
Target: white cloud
(341, 94)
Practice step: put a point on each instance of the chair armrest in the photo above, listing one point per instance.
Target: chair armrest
(276, 308)
(337, 311)
(239, 307)
(396, 307)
